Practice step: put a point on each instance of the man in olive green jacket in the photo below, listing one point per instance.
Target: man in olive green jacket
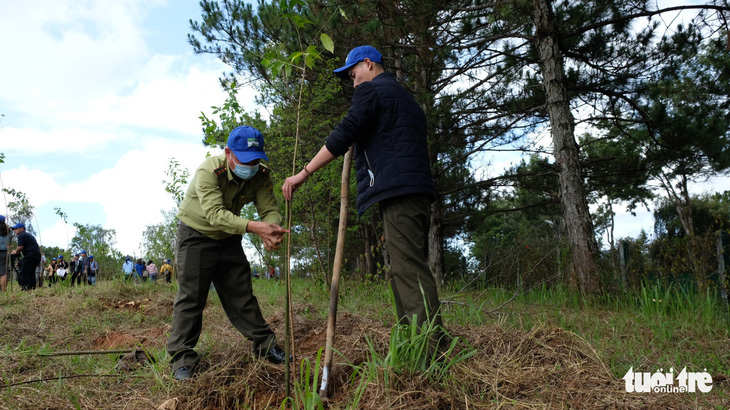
(209, 248)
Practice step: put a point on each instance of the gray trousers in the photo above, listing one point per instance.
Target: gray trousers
(406, 220)
(202, 260)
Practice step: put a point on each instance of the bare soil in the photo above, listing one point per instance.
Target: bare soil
(546, 367)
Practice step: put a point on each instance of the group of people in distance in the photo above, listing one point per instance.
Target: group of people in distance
(34, 269)
(82, 268)
(141, 271)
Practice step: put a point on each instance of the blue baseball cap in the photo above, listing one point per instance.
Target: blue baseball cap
(60, 256)
(356, 55)
(2, 218)
(18, 225)
(247, 143)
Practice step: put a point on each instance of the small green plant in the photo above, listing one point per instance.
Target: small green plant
(306, 395)
(412, 350)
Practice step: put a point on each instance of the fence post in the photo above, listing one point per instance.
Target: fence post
(722, 283)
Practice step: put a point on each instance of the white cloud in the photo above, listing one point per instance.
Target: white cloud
(166, 98)
(57, 141)
(59, 234)
(66, 53)
(131, 192)
(85, 65)
(88, 96)
(137, 195)
(38, 186)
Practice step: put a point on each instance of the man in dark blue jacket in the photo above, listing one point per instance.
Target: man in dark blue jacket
(388, 130)
(28, 246)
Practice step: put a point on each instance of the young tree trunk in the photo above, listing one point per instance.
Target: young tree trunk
(368, 267)
(721, 268)
(573, 199)
(315, 242)
(683, 205)
(435, 244)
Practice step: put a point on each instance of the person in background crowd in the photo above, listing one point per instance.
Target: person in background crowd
(92, 270)
(47, 272)
(84, 267)
(28, 246)
(166, 270)
(74, 269)
(52, 273)
(152, 271)
(62, 269)
(140, 268)
(4, 241)
(128, 268)
(39, 271)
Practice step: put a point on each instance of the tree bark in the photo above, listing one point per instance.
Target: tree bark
(368, 253)
(572, 196)
(435, 244)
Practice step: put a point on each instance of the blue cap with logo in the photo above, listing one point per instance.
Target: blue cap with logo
(247, 143)
(18, 225)
(356, 55)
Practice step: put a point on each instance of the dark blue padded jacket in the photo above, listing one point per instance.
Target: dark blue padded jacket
(388, 129)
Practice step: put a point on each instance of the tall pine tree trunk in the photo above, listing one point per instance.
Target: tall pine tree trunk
(572, 196)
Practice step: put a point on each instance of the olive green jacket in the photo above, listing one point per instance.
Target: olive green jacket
(213, 201)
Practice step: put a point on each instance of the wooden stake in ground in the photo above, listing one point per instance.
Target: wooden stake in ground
(336, 269)
(288, 324)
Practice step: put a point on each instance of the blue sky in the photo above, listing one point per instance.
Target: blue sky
(99, 95)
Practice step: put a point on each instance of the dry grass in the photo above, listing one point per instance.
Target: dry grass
(545, 367)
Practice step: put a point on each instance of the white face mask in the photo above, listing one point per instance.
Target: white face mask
(245, 172)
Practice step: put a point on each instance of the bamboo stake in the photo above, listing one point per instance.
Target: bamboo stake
(336, 269)
(288, 319)
(287, 333)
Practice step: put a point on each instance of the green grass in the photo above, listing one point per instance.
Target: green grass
(653, 327)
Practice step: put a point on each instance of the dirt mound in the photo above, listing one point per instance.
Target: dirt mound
(541, 368)
(117, 340)
(146, 305)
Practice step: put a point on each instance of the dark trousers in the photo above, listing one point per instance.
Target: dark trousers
(202, 260)
(26, 277)
(406, 220)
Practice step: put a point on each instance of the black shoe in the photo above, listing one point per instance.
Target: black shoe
(183, 373)
(276, 355)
